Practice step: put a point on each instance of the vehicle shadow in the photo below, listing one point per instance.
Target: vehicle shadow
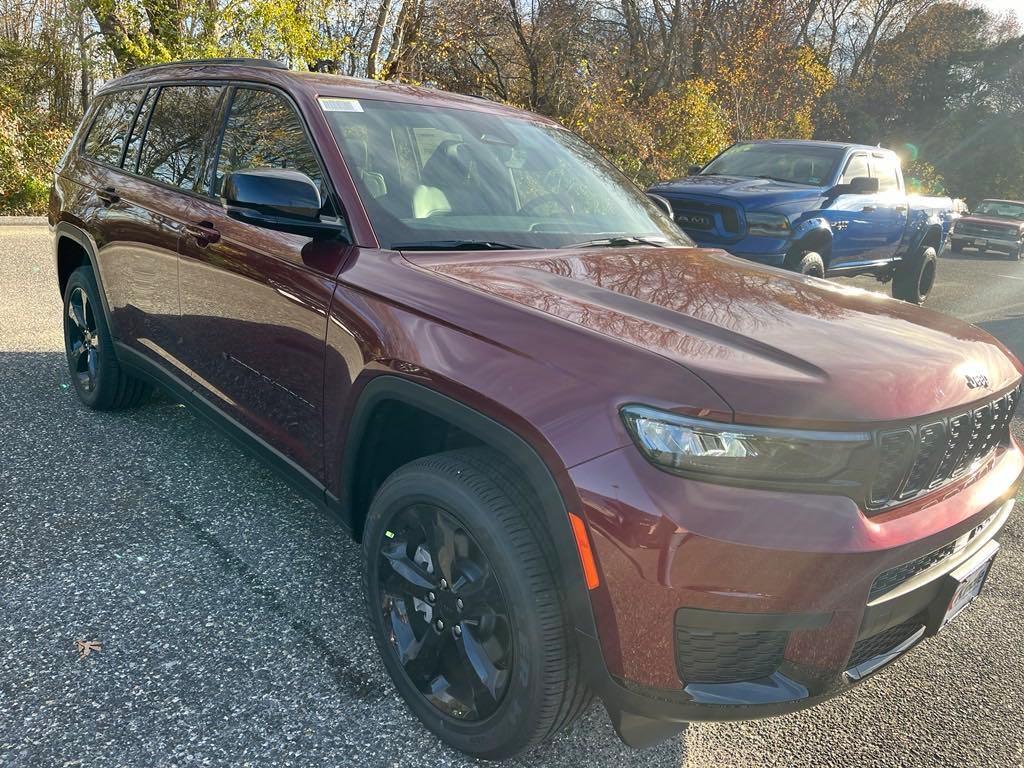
(217, 591)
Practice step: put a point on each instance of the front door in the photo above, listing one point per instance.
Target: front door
(255, 302)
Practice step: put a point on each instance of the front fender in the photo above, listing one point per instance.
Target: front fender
(816, 225)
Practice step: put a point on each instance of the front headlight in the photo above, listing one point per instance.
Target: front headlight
(768, 224)
(714, 449)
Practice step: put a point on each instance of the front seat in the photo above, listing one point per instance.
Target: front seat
(359, 157)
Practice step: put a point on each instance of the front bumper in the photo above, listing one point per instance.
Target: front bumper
(991, 243)
(803, 611)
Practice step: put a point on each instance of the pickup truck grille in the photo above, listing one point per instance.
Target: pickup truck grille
(974, 229)
(926, 456)
(703, 216)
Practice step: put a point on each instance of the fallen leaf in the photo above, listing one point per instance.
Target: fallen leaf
(85, 647)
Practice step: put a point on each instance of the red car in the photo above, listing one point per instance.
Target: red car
(995, 225)
(582, 456)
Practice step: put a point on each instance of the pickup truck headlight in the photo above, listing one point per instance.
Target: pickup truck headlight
(714, 449)
(768, 224)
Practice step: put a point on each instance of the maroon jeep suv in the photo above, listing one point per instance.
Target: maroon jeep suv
(582, 456)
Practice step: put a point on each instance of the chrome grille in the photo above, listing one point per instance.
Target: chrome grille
(927, 456)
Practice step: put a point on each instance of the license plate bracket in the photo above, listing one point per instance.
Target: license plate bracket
(961, 587)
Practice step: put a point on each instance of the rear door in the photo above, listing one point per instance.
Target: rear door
(161, 162)
(136, 233)
(255, 302)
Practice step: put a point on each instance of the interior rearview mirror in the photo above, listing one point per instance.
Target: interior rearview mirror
(275, 198)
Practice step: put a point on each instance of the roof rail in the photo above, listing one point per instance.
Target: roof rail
(224, 62)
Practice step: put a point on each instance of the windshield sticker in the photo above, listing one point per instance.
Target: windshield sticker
(340, 105)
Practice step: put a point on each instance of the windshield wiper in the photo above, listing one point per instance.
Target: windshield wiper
(616, 242)
(779, 178)
(457, 245)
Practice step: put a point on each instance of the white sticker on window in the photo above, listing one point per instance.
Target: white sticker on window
(340, 105)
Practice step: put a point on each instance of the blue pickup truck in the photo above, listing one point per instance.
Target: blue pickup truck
(816, 207)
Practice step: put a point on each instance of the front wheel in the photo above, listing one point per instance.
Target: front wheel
(465, 607)
(807, 263)
(915, 276)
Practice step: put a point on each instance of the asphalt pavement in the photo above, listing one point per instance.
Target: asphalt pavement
(230, 618)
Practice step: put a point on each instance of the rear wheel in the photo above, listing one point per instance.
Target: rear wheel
(97, 375)
(915, 276)
(956, 246)
(465, 607)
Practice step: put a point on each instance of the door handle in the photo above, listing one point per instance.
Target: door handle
(108, 195)
(204, 233)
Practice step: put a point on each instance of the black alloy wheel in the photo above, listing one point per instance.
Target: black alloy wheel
(100, 381)
(465, 606)
(449, 622)
(83, 340)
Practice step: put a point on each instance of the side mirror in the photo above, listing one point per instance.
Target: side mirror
(662, 203)
(278, 199)
(859, 185)
(694, 170)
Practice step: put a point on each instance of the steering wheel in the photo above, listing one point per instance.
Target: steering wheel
(552, 197)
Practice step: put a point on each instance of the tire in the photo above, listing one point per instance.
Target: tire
(530, 683)
(807, 263)
(915, 276)
(96, 374)
(1018, 254)
(956, 246)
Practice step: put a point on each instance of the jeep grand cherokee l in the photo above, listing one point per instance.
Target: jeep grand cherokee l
(582, 456)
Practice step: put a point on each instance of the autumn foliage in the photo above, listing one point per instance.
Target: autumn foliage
(657, 85)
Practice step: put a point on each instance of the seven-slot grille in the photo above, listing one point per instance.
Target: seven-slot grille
(925, 457)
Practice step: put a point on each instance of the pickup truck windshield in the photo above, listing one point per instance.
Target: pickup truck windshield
(793, 163)
(1001, 209)
(433, 177)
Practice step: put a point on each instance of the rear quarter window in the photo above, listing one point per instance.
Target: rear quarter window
(105, 140)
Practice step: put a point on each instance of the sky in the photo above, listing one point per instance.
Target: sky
(1005, 5)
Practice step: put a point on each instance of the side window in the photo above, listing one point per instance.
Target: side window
(131, 155)
(110, 128)
(176, 140)
(885, 170)
(263, 131)
(857, 167)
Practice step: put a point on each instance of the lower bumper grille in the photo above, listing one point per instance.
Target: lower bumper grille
(704, 656)
(884, 641)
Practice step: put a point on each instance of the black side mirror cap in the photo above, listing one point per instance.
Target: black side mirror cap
(694, 170)
(858, 185)
(278, 199)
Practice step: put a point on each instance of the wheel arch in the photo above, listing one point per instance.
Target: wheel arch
(817, 239)
(390, 394)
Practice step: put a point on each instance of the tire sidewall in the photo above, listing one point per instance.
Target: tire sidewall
(83, 278)
(909, 276)
(522, 700)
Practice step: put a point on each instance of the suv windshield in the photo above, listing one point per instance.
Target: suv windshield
(435, 177)
(796, 164)
(1001, 209)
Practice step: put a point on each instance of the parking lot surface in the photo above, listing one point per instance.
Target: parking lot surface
(230, 615)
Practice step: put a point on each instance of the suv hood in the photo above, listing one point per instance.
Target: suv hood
(778, 347)
(752, 193)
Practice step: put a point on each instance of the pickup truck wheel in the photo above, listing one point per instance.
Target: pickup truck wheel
(98, 378)
(915, 276)
(465, 607)
(806, 263)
